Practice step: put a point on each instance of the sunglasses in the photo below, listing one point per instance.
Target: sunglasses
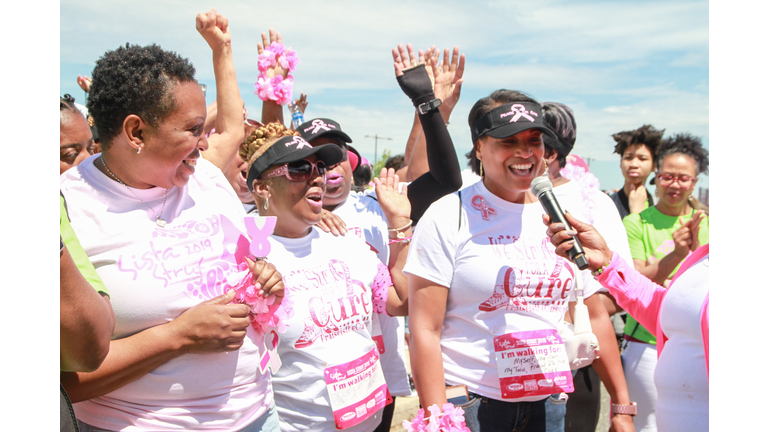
(668, 179)
(299, 171)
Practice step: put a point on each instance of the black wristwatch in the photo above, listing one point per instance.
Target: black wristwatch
(429, 106)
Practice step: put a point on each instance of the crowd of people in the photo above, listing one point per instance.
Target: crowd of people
(220, 272)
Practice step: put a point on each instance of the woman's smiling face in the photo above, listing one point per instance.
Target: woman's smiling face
(171, 149)
(510, 164)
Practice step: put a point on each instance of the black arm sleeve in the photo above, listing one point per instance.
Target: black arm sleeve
(444, 175)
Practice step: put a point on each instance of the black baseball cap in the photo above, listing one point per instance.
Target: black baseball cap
(321, 127)
(292, 149)
(510, 119)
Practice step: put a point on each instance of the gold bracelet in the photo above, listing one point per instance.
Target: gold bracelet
(400, 233)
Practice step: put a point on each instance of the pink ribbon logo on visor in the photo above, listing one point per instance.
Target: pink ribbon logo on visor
(318, 125)
(299, 142)
(479, 203)
(518, 110)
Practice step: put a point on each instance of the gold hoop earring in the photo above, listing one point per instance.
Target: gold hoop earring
(481, 168)
(546, 168)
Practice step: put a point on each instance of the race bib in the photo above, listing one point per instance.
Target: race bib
(357, 389)
(532, 363)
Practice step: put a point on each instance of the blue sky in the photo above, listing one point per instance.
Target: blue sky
(618, 65)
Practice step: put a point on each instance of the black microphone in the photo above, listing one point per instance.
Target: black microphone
(542, 188)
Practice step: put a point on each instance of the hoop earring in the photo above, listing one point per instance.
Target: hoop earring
(481, 168)
(138, 151)
(546, 168)
(266, 203)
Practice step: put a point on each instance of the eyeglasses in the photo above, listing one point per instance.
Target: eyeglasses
(299, 171)
(667, 179)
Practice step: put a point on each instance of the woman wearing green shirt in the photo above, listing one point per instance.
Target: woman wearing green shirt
(660, 238)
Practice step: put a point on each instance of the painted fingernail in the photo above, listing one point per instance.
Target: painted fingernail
(559, 226)
(571, 232)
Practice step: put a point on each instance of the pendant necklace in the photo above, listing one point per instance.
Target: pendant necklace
(160, 221)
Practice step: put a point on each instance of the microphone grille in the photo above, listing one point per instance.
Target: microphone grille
(541, 184)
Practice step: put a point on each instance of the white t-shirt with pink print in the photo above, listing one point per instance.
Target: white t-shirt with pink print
(505, 285)
(330, 374)
(153, 275)
(365, 219)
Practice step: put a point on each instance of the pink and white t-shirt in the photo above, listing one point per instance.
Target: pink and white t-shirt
(153, 275)
(504, 281)
(364, 218)
(335, 285)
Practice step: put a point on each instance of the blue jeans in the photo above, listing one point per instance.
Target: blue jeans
(483, 414)
(555, 409)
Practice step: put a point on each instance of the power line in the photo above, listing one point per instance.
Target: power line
(376, 139)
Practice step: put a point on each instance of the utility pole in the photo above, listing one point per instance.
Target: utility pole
(376, 139)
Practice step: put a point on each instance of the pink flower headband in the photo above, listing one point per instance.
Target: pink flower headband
(277, 88)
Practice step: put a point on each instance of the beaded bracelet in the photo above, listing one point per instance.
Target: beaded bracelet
(404, 240)
(596, 274)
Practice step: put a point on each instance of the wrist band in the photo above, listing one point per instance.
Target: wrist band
(404, 240)
(400, 233)
(429, 106)
(277, 88)
(630, 409)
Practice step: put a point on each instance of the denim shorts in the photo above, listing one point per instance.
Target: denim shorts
(491, 415)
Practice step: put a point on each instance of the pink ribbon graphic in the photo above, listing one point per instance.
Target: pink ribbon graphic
(479, 203)
(299, 142)
(518, 110)
(318, 125)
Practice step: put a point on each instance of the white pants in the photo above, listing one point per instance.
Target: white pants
(639, 365)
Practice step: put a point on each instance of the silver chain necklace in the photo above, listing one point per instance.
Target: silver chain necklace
(160, 221)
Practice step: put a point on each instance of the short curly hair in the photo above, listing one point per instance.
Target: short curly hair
(646, 134)
(481, 108)
(687, 144)
(135, 80)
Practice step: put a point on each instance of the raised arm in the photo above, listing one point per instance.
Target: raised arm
(225, 141)
(444, 175)
(447, 80)
(396, 207)
(274, 61)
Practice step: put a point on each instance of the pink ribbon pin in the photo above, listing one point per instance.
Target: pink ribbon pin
(479, 203)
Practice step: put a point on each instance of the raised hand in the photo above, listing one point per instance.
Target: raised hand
(407, 59)
(213, 326)
(84, 82)
(266, 42)
(214, 28)
(393, 198)
(302, 103)
(448, 78)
